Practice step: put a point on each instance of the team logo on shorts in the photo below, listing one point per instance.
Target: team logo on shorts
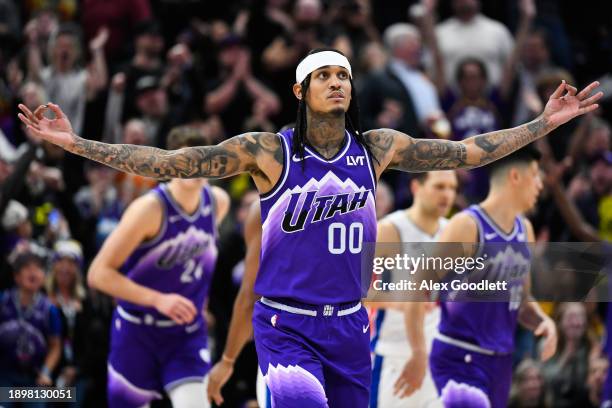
(273, 320)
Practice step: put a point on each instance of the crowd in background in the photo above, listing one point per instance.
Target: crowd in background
(128, 71)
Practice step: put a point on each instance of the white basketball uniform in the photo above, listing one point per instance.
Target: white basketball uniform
(390, 343)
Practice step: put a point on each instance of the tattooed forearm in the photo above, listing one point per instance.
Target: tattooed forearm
(231, 157)
(495, 145)
(399, 151)
(430, 154)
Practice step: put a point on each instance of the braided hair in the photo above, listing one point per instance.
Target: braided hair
(351, 116)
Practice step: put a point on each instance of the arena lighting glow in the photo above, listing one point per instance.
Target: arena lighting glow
(318, 60)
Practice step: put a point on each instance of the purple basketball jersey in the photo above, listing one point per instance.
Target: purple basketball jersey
(182, 257)
(24, 332)
(491, 324)
(314, 222)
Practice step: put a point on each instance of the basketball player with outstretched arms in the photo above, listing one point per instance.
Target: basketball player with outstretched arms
(316, 183)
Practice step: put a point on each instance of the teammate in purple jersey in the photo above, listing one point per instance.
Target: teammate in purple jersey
(471, 358)
(158, 263)
(316, 185)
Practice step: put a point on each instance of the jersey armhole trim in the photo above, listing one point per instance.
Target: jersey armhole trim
(371, 169)
(284, 173)
(479, 235)
(213, 206)
(162, 229)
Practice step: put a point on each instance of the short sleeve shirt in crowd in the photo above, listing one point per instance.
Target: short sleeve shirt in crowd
(482, 38)
(68, 90)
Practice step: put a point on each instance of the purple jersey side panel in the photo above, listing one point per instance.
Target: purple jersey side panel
(490, 324)
(182, 257)
(314, 223)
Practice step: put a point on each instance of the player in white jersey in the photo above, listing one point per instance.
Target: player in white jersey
(405, 331)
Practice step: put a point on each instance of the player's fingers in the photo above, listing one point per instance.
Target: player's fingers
(571, 90)
(559, 91)
(26, 121)
(399, 385)
(40, 111)
(27, 112)
(408, 391)
(591, 100)
(182, 314)
(56, 110)
(587, 109)
(187, 313)
(211, 389)
(589, 88)
(216, 396)
(176, 318)
(188, 304)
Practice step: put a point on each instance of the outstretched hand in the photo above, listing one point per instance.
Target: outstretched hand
(565, 103)
(57, 131)
(548, 331)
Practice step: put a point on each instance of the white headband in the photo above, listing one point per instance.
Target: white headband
(318, 60)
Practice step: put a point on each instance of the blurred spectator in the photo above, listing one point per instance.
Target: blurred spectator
(39, 31)
(385, 99)
(566, 372)
(146, 61)
(236, 92)
(403, 42)
(354, 18)
(596, 203)
(66, 291)
(183, 85)
(30, 327)
(119, 16)
(372, 58)
(471, 34)
(282, 55)
(384, 200)
(66, 9)
(534, 60)
(306, 34)
(528, 388)
(10, 23)
(91, 346)
(598, 370)
(591, 138)
(16, 227)
(152, 105)
(32, 94)
(98, 205)
(267, 20)
(65, 82)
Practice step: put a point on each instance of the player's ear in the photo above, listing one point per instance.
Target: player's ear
(414, 186)
(514, 175)
(297, 91)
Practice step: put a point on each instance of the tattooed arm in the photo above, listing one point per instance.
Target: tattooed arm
(236, 155)
(396, 150)
(257, 153)
(402, 152)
